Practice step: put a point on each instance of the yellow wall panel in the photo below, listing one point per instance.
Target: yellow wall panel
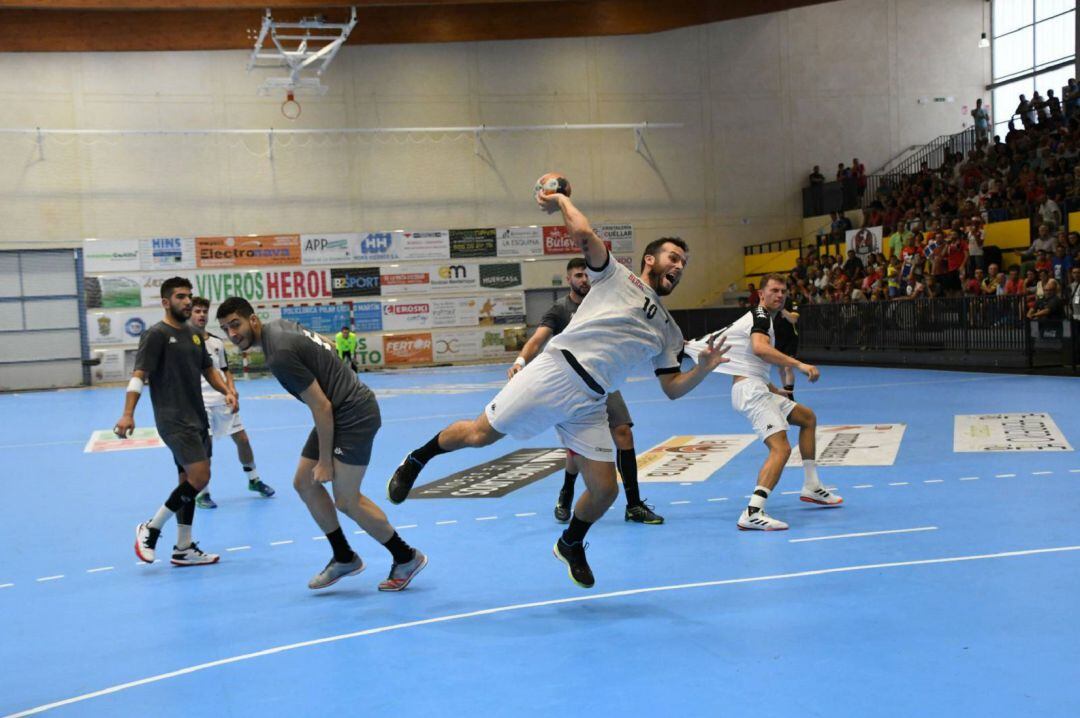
(769, 262)
(1013, 234)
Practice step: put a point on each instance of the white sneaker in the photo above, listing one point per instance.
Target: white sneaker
(193, 556)
(760, 521)
(145, 540)
(820, 496)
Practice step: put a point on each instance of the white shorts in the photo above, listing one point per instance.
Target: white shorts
(766, 411)
(222, 421)
(544, 394)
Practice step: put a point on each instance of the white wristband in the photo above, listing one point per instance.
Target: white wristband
(519, 362)
(135, 386)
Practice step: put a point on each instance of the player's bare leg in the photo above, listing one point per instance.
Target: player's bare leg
(601, 489)
(813, 491)
(753, 516)
(246, 454)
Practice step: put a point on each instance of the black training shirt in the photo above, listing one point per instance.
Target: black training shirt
(173, 361)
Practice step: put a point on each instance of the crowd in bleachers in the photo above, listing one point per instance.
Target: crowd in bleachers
(934, 223)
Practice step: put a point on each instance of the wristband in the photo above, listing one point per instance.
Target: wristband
(519, 362)
(135, 386)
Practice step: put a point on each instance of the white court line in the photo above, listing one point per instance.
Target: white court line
(359, 531)
(789, 493)
(281, 543)
(969, 478)
(406, 526)
(239, 548)
(99, 570)
(1004, 476)
(898, 483)
(718, 498)
(522, 607)
(1074, 471)
(6, 585)
(527, 513)
(43, 579)
(446, 523)
(676, 503)
(686, 483)
(865, 533)
(1041, 473)
(934, 481)
(486, 518)
(863, 486)
(318, 538)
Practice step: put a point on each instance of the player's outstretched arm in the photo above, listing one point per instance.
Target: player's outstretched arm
(596, 254)
(768, 353)
(534, 346)
(712, 356)
(126, 425)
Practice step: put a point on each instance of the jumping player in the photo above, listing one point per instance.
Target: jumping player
(339, 447)
(223, 422)
(619, 422)
(620, 324)
(171, 358)
(766, 407)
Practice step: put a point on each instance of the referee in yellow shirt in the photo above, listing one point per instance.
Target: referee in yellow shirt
(346, 342)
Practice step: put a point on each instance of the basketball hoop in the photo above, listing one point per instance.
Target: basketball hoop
(290, 107)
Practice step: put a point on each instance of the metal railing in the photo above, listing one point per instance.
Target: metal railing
(933, 154)
(960, 324)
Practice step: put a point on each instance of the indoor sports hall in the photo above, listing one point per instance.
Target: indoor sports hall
(369, 171)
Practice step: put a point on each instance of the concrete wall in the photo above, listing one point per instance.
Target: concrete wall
(762, 100)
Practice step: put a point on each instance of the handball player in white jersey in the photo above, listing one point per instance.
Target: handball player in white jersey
(750, 342)
(620, 324)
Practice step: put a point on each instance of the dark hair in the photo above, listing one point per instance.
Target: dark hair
(772, 278)
(652, 249)
(235, 305)
(200, 302)
(171, 284)
(346, 328)
(575, 263)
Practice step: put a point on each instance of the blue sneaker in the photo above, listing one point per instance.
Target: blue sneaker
(260, 488)
(203, 501)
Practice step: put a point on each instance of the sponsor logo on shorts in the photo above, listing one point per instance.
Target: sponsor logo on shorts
(338, 451)
(495, 478)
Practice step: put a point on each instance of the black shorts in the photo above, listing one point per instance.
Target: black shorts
(354, 434)
(787, 340)
(188, 446)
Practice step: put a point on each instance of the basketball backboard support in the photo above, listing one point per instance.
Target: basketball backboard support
(305, 48)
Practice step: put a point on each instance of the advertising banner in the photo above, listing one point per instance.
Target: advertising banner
(500, 276)
(456, 346)
(1026, 431)
(519, 242)
(357, 282)
(116, 290)
(380, 246)
(369, 350)
(404, 280)
(323, 318)
(166, 254)
(454, 277)
(104, 440)
(111, 255)
(864, 242)
(856, 445)
(404, 349)
(496, 343)
(406, 316)
(456, 312)
(120, 326)
(619, 238)
(471, 243)
(557, 240)
(367, 316)
(690, 458)
(340, 248)
(247, 251)
(430, 244)
(495, 478)
(502, 309)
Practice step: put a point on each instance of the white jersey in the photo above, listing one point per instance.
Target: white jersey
(737, 336)
(619, 325)
(216, 349)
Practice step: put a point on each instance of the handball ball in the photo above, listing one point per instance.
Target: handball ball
(552, 182)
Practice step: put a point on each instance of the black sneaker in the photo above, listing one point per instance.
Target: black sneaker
(401, 483)
(643, 514)
(563, 508)
(574, 558)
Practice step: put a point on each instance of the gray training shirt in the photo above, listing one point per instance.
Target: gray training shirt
(559, 315)
(297, 357)
(173, 361)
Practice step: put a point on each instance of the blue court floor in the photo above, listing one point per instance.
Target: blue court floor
(969, 608)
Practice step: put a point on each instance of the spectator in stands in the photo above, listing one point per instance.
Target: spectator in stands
(1026, 112)
(1054, 106)
(1038, 106)
(817, 192)
(1074, 292)
(1050, 213)
(892, 277)
(1050, 305)
(974, 234)
(1043, 263)
(858, 172)
(1043, 242)
(842, 172)
(994, 282)
(956, 259)
(1061, 265)
(1014, 284)
(853, 264)
(982, 121)
(1070, 95)
(799, 272)
(973, 285)
(1073, 244)
(755, 295)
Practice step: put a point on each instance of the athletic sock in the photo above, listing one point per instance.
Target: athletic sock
(401, 551)
(568, 483)
(626, 463)
(575, 532)
(183, 535)
(757, 500)
(184, 493)
(428, 451)
(811, 480)
(790, 389)
(250, 472)
(343, 552)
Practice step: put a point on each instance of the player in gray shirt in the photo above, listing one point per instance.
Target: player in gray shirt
(171, 359)
(552, 324)
(338, 449)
